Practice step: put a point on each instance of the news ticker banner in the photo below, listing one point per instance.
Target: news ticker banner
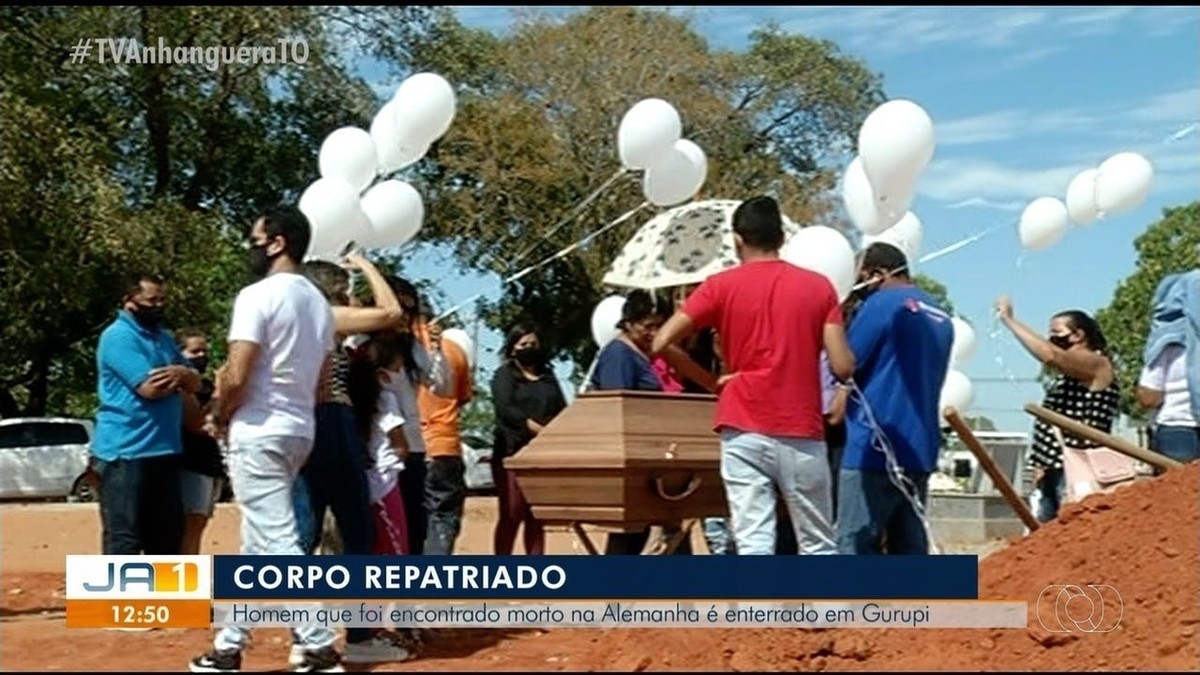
(544, 591)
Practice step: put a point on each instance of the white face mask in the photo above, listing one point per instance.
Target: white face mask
(353, 342)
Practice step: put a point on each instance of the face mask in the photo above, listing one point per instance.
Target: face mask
(530, 357)
(147, 316)
(1061, 341)
(260, 261)
(200, 363)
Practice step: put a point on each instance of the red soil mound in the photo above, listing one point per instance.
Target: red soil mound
(1143, 541)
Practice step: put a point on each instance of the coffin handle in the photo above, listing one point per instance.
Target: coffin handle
(692, 486)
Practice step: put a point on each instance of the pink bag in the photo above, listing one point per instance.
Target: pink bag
(1091, 470)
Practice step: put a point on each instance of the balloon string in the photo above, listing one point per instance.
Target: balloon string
(560, 254)
(946, 250)
(570, 217)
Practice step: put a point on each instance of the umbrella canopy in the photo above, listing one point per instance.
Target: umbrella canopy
(681, 247)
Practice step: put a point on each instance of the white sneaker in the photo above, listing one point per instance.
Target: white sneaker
(378, 649)
(296, 657)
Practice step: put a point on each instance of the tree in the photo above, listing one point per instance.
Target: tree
(935, 289)
(537, 126)
(109, 169)
(1166, 247)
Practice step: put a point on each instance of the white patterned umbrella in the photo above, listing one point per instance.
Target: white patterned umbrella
(680, 247)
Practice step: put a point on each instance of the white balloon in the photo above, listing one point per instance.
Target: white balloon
(677, 177)
(1043, 223)
(605, 318)
(1123, 182)
(425, 108)
(896, 143)
(459, 337)
(334, 214)
(859, 200)
(395, 211)
(647, 133)
(1081, 198)
(824, 250)
(395, 152)
(349, 154)
(906, 235)
(958, 392)
(965, 342)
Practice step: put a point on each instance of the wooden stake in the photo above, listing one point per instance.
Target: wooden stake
(993, 471)
(1098, 437)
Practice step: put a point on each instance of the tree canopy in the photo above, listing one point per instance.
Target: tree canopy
(536, 132)
(1166, 247)
(111, 169)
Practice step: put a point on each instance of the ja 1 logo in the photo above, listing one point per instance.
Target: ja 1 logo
(151, 577)
(164, 577)
(1068, 608)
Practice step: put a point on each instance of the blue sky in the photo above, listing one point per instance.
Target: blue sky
(1022, 99)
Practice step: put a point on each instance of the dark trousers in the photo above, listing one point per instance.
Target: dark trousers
(632, 543)
(335, 478)
(878, 517)
(140, 506)
(412, 490)
(835, 441)
(445, 494)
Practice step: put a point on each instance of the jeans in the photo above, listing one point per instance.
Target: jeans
(445, 494)
(875, 514)
(412, 489)
(718, 537)
(335, 478)
(263, 472)
(1050, 494)
(1179, 443)
(140, 507)
(755, 468)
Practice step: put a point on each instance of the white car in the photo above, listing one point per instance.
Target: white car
(45, 458)
(477, 453)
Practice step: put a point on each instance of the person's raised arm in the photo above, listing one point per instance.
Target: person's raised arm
(1079, 364)
(386, 313)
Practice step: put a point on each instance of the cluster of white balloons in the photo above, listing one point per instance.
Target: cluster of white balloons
(650, 138)
(958, 391)
(1122, 182)
(391, 212)
(895, 145)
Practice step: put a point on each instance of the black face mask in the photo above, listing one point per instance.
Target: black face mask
(147, 316)
(530, 357)
(1061, 341)
(864, 288)
(260, 261)
(200, 363)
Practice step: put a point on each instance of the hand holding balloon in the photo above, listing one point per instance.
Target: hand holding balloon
(1004, 307)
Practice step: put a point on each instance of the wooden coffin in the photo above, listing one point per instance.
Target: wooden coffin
(624, 458)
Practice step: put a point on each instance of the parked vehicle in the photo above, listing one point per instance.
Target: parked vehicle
(477, 458)
(45, 458)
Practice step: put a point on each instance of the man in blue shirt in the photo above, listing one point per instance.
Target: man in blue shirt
(143, 380)
(901, 342)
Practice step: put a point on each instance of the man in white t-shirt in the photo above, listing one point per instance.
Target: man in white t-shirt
(1164, 385)
(279, 343)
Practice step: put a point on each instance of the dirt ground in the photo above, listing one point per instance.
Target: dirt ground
(36, 538)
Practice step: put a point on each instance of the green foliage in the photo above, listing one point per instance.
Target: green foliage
(536, 132)
(936, 289)
(107, 169)
(1166, 247)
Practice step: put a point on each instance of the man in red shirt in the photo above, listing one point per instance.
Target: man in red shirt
(774, 320)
